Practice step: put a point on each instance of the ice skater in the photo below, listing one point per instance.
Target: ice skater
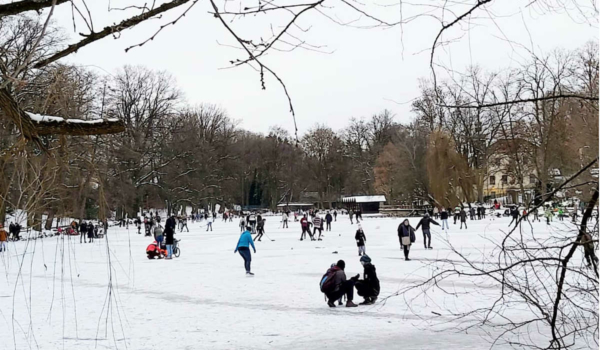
(243, 247)
(305, 228)
(463, 218)
(183, 224)
(444, 217)
(317, 225)
(209, 222)
(284, 219)
(242, 224)
(328, 220)
(260, 229)
(360, 240)
(424, 224)
(406, 235)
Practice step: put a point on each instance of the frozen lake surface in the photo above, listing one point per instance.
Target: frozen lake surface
(59, 294)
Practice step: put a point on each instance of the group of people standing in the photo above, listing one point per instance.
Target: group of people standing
(318, 223)
(14, 231)
(88, 231)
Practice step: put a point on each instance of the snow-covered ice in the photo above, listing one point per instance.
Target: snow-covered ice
(56, 292)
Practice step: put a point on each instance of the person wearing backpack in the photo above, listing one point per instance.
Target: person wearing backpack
(243, 246)
(406, 234)
(369, 287)
(335, 285)
(360, 240)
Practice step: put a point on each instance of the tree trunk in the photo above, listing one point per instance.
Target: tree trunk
(49, 219)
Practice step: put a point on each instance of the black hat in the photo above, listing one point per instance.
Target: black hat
(341, 264)
(365, 259)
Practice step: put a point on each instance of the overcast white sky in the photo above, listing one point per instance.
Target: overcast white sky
(368, 70)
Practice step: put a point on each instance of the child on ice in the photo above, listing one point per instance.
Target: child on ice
(360, 240)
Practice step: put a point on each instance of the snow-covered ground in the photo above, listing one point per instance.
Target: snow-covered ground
(59, 294)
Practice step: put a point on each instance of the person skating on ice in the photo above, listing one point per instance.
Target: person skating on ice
(243, 247)
(463, 218)
(360, 240)
(406, 235)
(317, 226)
(444, 218)
(284, 220)
(425, 227)
(260, 229)
(328, 220)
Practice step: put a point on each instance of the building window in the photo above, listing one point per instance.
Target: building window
(504, 179)
(492, 180)
(532, 179)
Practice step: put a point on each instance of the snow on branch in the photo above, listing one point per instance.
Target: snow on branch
(48, 125)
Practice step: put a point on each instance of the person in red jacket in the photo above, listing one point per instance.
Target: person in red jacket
(305, 228)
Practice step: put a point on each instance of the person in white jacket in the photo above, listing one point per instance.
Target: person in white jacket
(209, 222)
(284, 219)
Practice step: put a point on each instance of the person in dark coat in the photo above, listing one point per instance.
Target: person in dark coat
(328, 220)
(406, 235)
(358, 215)
(11, 230)
(17, 231)
(514, 212)
(90, 232)
(335, 215)
(368, 288)
(82, 232)
(260, 229)
(169, 232)
(360, 240)
(472, 213)
(463, 217)
(424, 224)
(444, 218)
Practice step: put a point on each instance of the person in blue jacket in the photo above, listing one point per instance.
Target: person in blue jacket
(243, 246)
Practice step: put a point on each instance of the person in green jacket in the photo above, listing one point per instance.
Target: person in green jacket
(561, 214)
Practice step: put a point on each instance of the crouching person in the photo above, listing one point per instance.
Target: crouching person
(335, 285)
(369, 287)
